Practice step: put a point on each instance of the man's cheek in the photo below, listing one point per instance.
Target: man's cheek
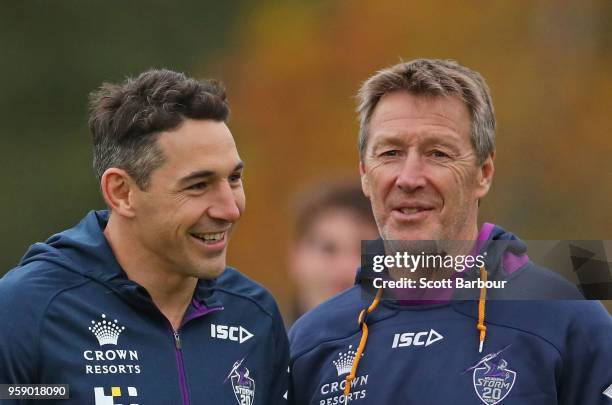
(461, 174)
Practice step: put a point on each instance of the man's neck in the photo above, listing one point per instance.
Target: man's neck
(171, 292)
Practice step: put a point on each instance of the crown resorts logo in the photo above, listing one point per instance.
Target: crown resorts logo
(110, 360)
(332, 392)
(105, 331)
(345, 361)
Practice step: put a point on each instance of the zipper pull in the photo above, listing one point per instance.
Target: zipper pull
(177, 340)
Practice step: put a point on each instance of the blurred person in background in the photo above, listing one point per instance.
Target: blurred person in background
(331, 220)
(133, 304)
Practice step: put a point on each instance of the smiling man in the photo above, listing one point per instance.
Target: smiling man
(136, 304)
(426, 160)
(420, 170)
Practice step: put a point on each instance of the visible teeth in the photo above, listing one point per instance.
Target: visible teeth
(209, 237)
(410, 210)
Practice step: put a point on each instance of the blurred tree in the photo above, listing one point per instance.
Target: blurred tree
(53, 55)
(297, 67)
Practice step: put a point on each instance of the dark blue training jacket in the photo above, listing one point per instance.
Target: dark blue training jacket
(69, 315)
(536, 352)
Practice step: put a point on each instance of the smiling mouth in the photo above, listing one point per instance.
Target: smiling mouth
(412, 210)
(211, 237)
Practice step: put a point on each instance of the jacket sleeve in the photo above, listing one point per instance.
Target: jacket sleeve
(279, 390)
(587, 361)
(20, 322)
(19, 330)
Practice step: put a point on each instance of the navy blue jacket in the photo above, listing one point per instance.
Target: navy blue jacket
(536, 352)
(70, 315)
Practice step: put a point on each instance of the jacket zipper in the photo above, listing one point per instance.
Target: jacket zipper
(181, 367)
(178, 350)
(177, 340)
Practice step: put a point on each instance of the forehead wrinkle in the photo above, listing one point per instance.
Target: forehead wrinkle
(399, 137)
(394, 107)
(394, 115)
(428, 125)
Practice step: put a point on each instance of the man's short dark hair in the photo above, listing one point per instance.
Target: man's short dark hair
(125, 119)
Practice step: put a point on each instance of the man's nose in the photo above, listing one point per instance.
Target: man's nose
(411, 176)
(225, 204)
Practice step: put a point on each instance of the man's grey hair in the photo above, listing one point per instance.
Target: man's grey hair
(438, 78)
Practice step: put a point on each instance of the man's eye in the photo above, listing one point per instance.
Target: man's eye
(235, 178)
(329, 248)
(439, 154)
(326, 247)
(390, 153)
(197, 186)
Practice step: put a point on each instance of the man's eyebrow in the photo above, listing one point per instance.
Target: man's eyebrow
(239, 166)
(387, 139)
(202, 174)
(443, 139)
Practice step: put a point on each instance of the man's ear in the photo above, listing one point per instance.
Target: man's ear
(365, 184)
(485, 176)
(117, 189)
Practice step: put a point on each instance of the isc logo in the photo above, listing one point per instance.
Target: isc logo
(425, 338)
(233, 333)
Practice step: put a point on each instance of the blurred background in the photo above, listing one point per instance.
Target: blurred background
(292, 69)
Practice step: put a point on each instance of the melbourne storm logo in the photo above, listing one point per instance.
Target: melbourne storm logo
(242, 384)
(492, 378)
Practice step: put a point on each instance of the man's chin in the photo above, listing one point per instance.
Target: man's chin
(209, 269)
(213, 273)
(412, 234)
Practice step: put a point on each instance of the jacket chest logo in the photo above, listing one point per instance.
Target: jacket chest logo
(424, 338)
(108, 357)
(332, 392)
(492, 378)
(115, 393)
(243, 384)
(106, 332)
(232, 333)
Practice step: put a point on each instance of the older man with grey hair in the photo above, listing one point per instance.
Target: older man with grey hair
(427, 148)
